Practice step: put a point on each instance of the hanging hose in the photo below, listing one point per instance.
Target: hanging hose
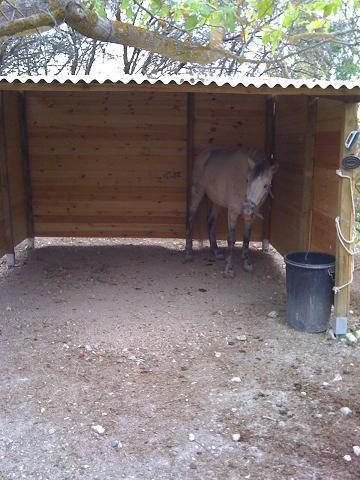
(349, 248)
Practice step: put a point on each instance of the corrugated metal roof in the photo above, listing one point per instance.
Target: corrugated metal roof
(236, 81)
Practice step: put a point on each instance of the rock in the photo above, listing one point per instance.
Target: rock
(330, 335)
(357, 334)
(116, 444)
(8, 308)
(236, 437)
(98, 429)
(191, 437)
(347, 458)
(337, 378)
(346, 411)
(350, 337)
(273, 314)
(217, 354)
(303, 394)
(236, 380)
(356, 450)
(52, 431)
(241, 338)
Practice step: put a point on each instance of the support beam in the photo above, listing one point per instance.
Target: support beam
(308, 186)
(189, 146)
(344, 261)
(26, 169)
(5, 190)
(270, 153)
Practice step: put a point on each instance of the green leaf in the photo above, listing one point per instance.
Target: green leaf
(265, 7)
(328, 10)
(288, 20)
(99, 7)
(266, 38)
(316, 24)
(191, 22)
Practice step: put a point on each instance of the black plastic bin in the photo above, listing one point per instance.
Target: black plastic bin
(309, 286)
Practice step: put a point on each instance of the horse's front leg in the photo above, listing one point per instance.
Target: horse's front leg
(229, 265)
(245, 251)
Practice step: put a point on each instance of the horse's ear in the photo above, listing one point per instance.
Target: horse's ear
(251, 163)
(274, 168)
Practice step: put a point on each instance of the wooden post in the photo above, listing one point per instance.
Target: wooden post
(270, 153)
(308, 172)
(5, 190)
(189, 147)
(344, 261)
(26, 169)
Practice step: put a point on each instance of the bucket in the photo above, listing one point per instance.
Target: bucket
(309, 287)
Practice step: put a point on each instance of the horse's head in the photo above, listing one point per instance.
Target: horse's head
(258, 187)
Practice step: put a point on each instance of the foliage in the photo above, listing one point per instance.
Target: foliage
(288, 38)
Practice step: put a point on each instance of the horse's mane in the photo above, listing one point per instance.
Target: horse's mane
(261, 162)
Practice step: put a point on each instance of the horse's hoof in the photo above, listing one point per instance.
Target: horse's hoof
(229, 273)
(247, 267)
(188, 258)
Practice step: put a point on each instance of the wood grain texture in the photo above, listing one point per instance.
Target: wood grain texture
(108, 164)
(15, 165)
(116, 163)
(344, 261)
(291, 212)
(2, 226)
(329, 127)
(228, 121)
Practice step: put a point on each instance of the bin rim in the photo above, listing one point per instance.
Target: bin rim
(308, 266)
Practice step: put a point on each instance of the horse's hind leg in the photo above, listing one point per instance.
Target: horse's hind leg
(229, 266)
(212, 217)
(245, 252)
(197, 193)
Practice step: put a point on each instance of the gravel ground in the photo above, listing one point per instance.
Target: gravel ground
(119, 361)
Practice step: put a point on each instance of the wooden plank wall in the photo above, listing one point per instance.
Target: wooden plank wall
(115, 164)
(18, 200)
(329, 124)
(13, 177)
(229, 121)
(308, 142)
(291, 210)
(108, 164)
(2, 227)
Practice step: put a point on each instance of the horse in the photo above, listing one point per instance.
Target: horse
(238, 180)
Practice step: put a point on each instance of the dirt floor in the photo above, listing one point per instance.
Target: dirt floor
(167, 361)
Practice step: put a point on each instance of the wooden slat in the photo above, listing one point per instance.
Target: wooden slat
(13, 133)
(329, 126)
(113, 163)
(228, 121)
(7, 233)
(345, 212)
(290, 217)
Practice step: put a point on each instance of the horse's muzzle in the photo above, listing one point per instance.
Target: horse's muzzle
(248, 210)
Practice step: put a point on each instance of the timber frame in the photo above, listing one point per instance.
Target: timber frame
(113, 158)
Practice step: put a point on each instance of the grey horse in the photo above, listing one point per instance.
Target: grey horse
(238, 180)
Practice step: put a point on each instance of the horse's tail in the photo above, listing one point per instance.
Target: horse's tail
(197, 192)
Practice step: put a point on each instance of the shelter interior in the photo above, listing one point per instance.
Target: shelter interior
(114, 160)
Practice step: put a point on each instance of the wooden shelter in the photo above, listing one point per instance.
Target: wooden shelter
(112, 157)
